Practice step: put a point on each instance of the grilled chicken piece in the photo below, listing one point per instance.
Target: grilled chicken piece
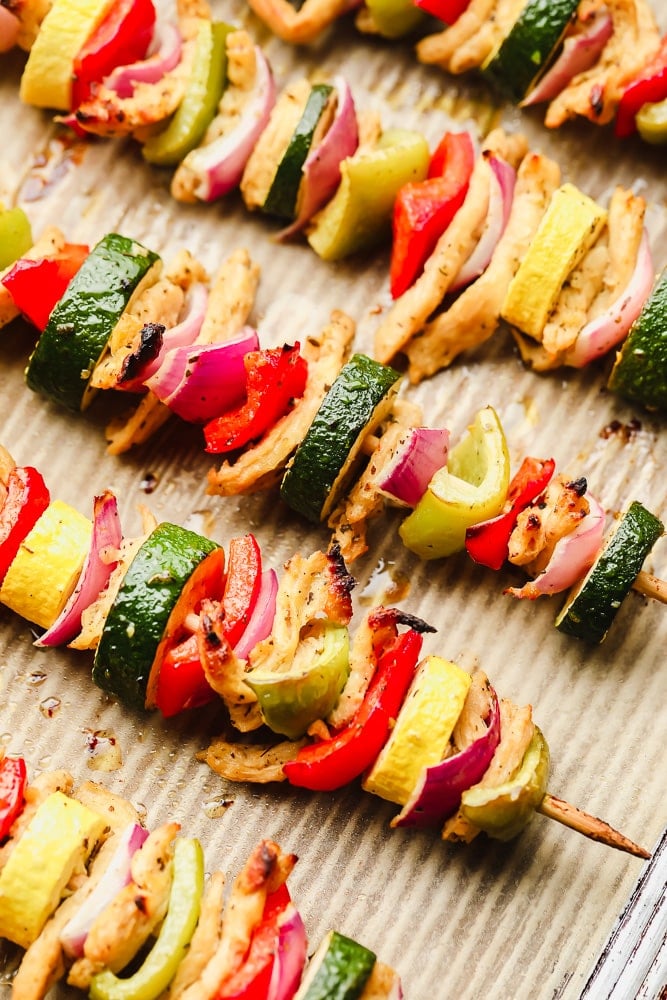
(303, 25)
(261, 465)
(553, 516)
(230, 301)
(224, 671)
(517, 729)
(410, 312)
(254, 762)
(474, 316)
(265, 871)
(441, 49)
(350, 519)
(475, 50)
(126, 924)
(595, 93)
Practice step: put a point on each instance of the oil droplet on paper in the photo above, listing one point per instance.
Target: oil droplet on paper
(103, 749)
(385, 585)
(215, 808)
(49, 707)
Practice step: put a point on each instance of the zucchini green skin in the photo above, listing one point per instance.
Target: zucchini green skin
(526, 50)
(640, 371)
(82, 322)
(339, 970)
(139, 615)
(344, 414)
(284, 191)
(590, 611)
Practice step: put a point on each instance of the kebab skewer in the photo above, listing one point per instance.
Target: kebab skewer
(171, 629)
(84, 886)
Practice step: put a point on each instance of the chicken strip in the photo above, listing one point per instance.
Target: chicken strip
(475, 314)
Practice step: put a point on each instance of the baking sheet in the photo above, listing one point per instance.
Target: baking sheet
(519, 920)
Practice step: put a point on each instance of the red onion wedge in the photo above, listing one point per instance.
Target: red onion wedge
(503, 181)
(163, 55)
(74, 933)
(97, 569)
(9, 30)
(217, 167)
(290, 956)
(440, 787)
(201, 381)
(182, 335)
(579, 53)
(261, 618)
(572, 557)
(321, 171)
(419, 454)
(609, 329)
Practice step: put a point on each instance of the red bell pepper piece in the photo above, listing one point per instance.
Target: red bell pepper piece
(252, 980)
(244, 576)
(37, 285)
(12, 788)
(424, 209)
(649, 88)
(27, 498)
(182, 682)
(332, 763)
(488, 542)
(447, 11)
(274, 378)
(122, 37)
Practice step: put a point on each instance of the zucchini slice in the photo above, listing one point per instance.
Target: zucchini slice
(339, 970)
(284, 191)
(640, 371)
(80, 325)
(139, 616)
(592, 605)
(526, 51)
(323, 464)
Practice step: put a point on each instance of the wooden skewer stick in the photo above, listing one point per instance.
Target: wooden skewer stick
(590, 826)
(651, 586)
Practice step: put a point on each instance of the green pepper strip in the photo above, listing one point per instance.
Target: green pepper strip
(198, 107)
(169, 950)
(15, 235)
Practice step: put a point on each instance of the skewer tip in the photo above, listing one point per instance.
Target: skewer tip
(590, 826)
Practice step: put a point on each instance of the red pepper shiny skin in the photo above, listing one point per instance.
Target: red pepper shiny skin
(424, 209)
(488, 542)
(252, 980)
(244, 576)
(649, 88)
(274, 377)
(182, 682)
(27, 499)
(37, 285)
(13, 780)
(332, 763)
(122, 37)
(447, 11)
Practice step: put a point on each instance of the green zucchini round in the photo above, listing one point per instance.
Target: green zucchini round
(140, 613)
(526, 51)
(355, 405)
(81, 323)
(593, 604)
(339, 970)
(640, 371)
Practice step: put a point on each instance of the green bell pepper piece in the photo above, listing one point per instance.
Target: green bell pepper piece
(504, 811)
(394, 18)
(652, 122)
(15, 235)
(202, 96)
(160, 967)
(358, 216)
(309, 689)
(471, 488)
